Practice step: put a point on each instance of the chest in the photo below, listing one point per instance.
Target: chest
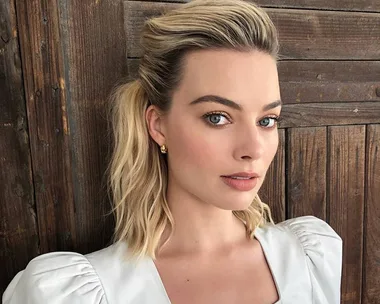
(239, 280)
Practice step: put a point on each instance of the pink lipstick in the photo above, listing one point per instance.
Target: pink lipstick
(241, 181)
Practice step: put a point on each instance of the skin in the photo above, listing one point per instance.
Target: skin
(209, 258)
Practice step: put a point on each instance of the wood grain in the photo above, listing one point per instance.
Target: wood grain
(319, 81)
(327, 114)
(306, 172)
(94, 42)
(371, 284)
(345, 182)
(47, 115)
(272, 191)
(303, 34)
(329, 81)
(18, 225)
(345, 5)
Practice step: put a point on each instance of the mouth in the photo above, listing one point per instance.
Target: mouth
(242, 181)
(238, 177)
(242, 175)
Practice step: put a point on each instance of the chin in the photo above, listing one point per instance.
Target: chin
(237, 203)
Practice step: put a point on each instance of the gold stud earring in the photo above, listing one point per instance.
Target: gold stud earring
(164, 149)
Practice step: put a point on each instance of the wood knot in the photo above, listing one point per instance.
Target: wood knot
(378, 92)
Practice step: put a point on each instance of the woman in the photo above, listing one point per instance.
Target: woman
(194, 137)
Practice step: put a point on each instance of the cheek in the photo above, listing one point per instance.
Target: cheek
(271, 147)
(193, 145)
(190, 147)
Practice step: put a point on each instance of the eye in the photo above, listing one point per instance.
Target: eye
(217, 118)
(269, 122)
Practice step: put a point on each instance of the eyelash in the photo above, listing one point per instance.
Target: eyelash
(206, 116)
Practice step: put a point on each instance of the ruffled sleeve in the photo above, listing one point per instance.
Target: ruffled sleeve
(323, 251)
(57, 278)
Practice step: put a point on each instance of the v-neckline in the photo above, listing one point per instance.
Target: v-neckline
(264, 248)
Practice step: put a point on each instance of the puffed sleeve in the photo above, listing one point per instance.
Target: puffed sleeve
(323, 251)
(56, 278)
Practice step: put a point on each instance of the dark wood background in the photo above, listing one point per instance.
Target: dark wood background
(60, 59)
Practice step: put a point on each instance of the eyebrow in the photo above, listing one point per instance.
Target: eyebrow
(230, 103)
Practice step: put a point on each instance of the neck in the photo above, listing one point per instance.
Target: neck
(200, 228)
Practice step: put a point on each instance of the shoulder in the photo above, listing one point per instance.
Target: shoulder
(310, 232)
(59, 277)
(310, 228)
(311, 247)
(101, 277)
(319, 241)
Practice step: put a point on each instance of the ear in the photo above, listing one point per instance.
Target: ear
(155, 123)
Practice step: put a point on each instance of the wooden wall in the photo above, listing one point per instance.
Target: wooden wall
(59, 60)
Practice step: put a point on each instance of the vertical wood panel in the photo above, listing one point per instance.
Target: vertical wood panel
(371, 284)
(95, 47)
(272, 191)
(346, 166)
(306, 156)
(18, 227)
(46, 105)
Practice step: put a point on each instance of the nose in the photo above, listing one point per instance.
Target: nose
(249, 144)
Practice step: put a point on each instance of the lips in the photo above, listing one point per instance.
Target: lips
(243, 175)
(242, 181)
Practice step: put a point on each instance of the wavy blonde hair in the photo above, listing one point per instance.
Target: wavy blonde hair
(138, 173)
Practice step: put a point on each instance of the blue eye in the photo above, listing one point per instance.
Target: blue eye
(269, 122)
(217, 119)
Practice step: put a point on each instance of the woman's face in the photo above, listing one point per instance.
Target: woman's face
(221, 130)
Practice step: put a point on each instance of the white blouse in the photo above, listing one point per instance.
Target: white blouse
(304, 255)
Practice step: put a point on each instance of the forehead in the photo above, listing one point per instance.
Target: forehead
(246, 77)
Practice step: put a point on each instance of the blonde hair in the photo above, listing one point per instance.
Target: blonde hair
(137, 173)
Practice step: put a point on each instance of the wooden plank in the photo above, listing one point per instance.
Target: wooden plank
(319, 81)
(329, 81)
(306, 170)
(371, 284)
(345, 5)
(95, 48)
(272, 191)
(346, 168)
(328, 114)
(303, 34)
(45, 92)
(18, 226)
